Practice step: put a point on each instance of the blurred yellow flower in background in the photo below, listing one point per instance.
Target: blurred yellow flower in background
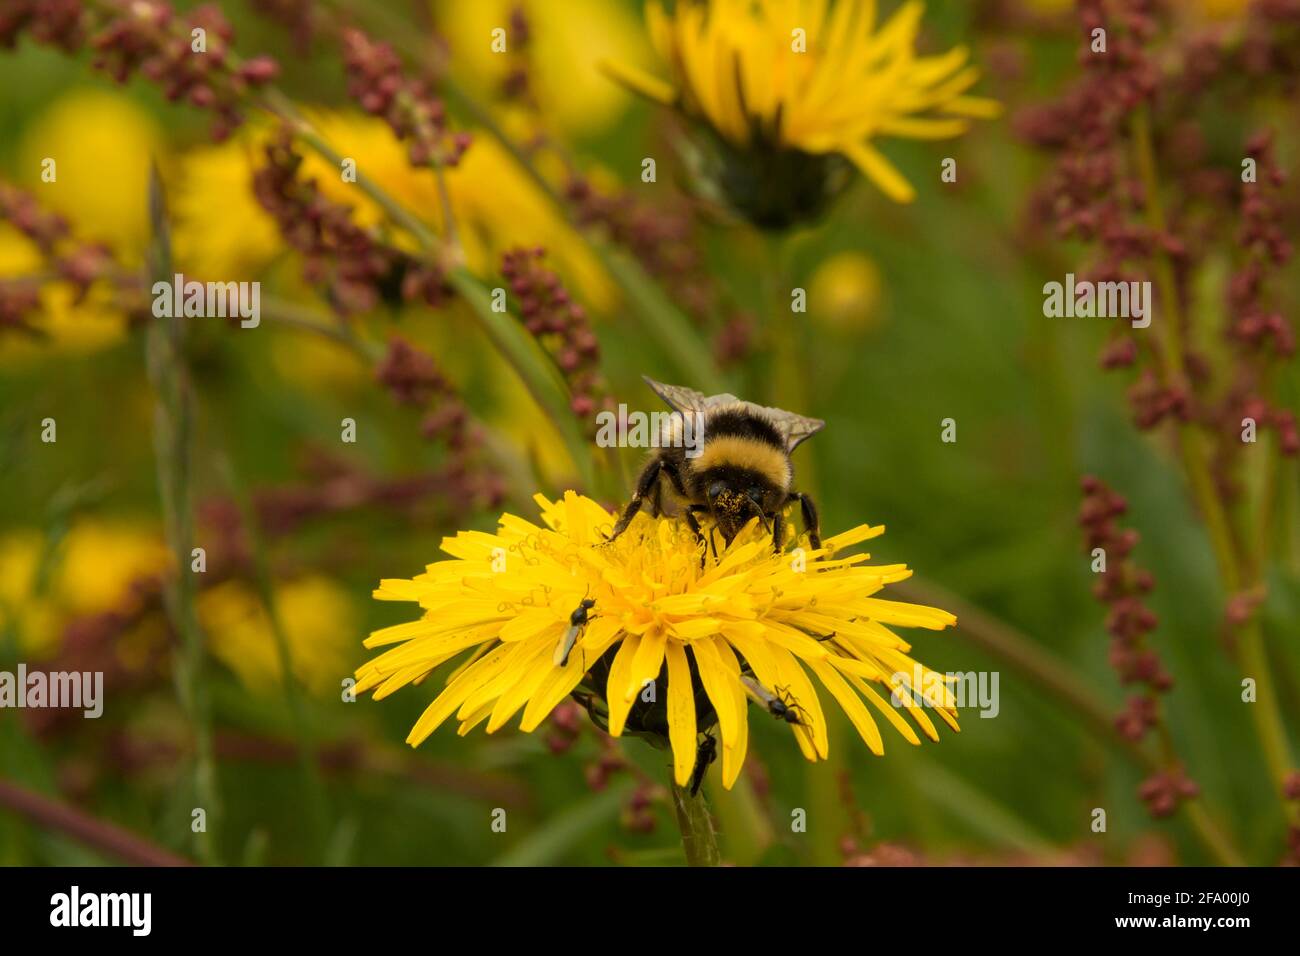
(1223, 9)
(779, 77)
(1049, 7)
(318, 362)
(29, 618)
(516, 416)
(1211, 9)
(102, 145)
(219, 229)
(566, 43)
(845, 293)
(223, 232)
(65, 325)
(89, 571)
(320, 625)
(102, 558)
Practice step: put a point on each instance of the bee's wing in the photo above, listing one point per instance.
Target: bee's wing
(682, 399)
(794, 428)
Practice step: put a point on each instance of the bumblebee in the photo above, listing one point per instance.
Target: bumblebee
(742, 470)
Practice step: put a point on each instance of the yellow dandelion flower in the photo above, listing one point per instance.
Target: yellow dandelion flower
(673, 645)
(791, 86)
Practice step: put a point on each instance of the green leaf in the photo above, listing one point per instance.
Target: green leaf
(560, 833)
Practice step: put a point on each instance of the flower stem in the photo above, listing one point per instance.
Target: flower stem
(173, 445)
(308, 319)
(698, 836)
(1233, 569)
(316, 799)
(103, 837)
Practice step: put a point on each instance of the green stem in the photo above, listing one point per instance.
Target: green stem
(1233, 568)
(699, 839)
(314, 787)
(532, 364)
(1170, 328)
(173, 451)
(1267, 717)
(101, 836)
(1266, 515)
(294, 315)
(661, 320)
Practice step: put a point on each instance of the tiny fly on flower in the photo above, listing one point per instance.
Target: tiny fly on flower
(707, 753)
(780, 703)
(578, 621)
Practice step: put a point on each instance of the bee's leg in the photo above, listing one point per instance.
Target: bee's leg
(656, 500)
(648, 480)
(810, 522)
(674, 476)
(778, 531)
(694, 524)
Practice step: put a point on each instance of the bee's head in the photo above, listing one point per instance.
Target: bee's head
(736, 495)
